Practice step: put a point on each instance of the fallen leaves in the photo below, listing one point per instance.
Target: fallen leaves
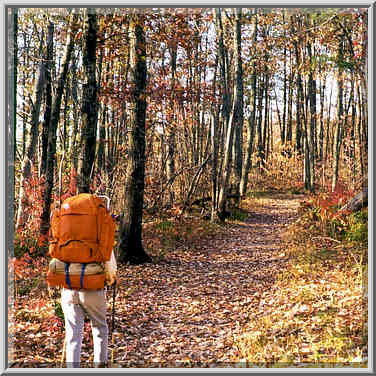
(237, 299)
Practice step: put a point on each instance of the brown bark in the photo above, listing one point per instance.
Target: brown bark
(131, 248)
(55, 116)
(89, 105)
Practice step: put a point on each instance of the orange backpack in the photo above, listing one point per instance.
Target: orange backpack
(82, 230)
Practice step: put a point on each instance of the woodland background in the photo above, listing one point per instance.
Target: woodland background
(181, 114)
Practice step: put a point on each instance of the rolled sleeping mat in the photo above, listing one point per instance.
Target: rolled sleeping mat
(76, 282)
(58, 267)
(76, 276)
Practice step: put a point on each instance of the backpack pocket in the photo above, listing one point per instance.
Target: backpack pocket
(106, 231)
(79, 251)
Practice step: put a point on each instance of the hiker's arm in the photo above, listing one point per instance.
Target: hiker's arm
(110, 267)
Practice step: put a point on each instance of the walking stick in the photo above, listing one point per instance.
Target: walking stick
(63, 353)
(113, 321)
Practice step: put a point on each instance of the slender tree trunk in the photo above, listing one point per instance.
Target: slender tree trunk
(321, 131)
(29, 158)
(15, 78)
(214, 123)
(299, 107)
(89, 105)
(312, 123)
(266, 118)
(339, 120)
(224, 168)
(225, 173)
(223, 65)
(251, 127)
(289, 106)
(55, 116)
(102, 140)
(352, 137)
(360, 136)
(214, 175)
(48, 96)
(283, 132)
(171, 139)
(75, 139)
(24, 94)
(238, 108)
(131, 249)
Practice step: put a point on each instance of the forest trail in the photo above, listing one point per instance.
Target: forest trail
(185, 310)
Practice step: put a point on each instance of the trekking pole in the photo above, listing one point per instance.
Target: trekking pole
(113, 321)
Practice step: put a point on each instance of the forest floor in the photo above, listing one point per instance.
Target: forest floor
(192, 305)
(186, 309)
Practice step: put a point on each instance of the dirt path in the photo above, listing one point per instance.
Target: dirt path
(186, 309)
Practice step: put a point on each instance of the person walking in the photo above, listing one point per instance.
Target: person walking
(75, 303)
(82, 239)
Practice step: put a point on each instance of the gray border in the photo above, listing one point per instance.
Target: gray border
(8, 174)
(8, 149)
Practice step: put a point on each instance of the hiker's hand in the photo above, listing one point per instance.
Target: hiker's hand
(110, 279)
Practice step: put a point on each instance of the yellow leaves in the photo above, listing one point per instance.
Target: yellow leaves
(317, 316)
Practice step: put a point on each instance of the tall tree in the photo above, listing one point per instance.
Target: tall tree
(229, 123)
(310, 134)
(48, 96)
(238, 106)
(52, 128)
(251, 122)
(30, 155)
(89, 104)
(131, 248)
(15, 75)
(340, 114)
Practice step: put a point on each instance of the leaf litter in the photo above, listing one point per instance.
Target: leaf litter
(193, 306)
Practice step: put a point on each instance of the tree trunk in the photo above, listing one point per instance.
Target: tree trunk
(171, 141)
(283, 132)
(311, 134)
(48, 96)
(74, 140)
(224, 168)
(238, 108)
(358, 202)
(55, 116)
(260, 142)
(15, 77)
(29, 158)
(339, 121)
(131, 248)
(321, 131)
(251, 126)
(89, 105)
(299, 105)
(289, 105)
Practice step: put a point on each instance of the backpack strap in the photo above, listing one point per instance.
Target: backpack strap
(67, 279)
(83, 266)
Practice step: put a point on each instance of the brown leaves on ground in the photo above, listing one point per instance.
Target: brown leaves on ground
(210, 298)
(186, 309)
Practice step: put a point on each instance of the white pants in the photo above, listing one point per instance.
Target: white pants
(75, 303)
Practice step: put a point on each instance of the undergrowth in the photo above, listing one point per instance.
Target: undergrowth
(318, 305)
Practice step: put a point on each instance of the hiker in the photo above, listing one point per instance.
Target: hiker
(74, 304)
(83, 262)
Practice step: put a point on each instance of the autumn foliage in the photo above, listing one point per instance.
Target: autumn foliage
(280, 279)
